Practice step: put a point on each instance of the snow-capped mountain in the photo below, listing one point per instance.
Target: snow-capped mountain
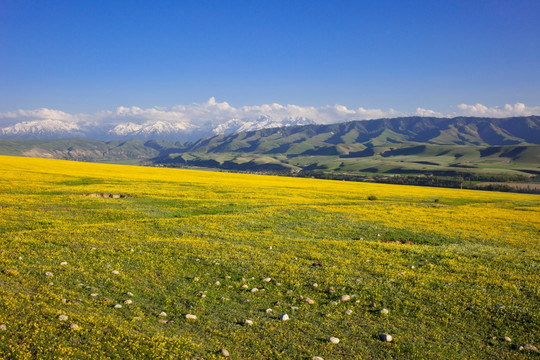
(194, 121)
(158, 129)
(42, 129)
(262, 122)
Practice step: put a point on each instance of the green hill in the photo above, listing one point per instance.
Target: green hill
(478, 149)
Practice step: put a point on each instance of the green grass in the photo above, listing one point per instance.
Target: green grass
(454, 268)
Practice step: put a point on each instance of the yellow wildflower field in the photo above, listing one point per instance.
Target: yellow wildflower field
(105, 261)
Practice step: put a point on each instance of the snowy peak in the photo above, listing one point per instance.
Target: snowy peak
(149, 129)
(42, 129)
(262, 122)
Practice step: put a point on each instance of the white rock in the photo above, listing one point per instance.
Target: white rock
(245, 287)
(349, 312)
(310, 301)
(3, 327)
(227, 277)
(74, 327)
(217, 283)
(528, 347)
(163, 313)
(315, 285)
(224, 352)
(294, 307)
(267, 279)
(254, 290)
(195, 279)
(117, 306)
(248, 322)
(278, 284)
(384, 311)
(385, 337)
(129, 293)
(191, 317)
(317, 358)
(344, 298)
(128, 302)
(268, 310)
(94, 295)
(48, 273)
(269, 248)
(115, 272)
(333, 340)
(334, 303)
(51, 283)
(63, 263)
(63, 317)
(284, 317)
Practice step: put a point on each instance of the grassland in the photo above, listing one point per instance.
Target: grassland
(457, 269)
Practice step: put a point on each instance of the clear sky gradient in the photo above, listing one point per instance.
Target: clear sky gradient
(86, 56)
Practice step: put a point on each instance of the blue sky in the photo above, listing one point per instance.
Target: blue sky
(87, 56)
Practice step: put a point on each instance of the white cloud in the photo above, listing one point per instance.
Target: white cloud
(217, 117)
(426, 112)
(518, 109)
(44, 114)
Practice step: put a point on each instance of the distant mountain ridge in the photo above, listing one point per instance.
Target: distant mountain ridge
(412, 145)
(155, 129)
(338, 138)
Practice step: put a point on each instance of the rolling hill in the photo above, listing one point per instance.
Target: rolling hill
(479, 148)
(415, 145)
(177, 266)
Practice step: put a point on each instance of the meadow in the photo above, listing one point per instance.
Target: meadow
(106, 261)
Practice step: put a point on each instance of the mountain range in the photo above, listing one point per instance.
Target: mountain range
(145, 128)
(408, 145)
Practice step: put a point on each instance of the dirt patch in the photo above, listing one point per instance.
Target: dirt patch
(398, 242)
(105, 195)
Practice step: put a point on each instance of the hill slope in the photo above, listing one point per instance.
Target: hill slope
(340, 138)
(391, 146)
(416, 145)
(457, 270)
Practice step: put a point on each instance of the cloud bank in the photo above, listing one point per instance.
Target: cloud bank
(210, 118)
